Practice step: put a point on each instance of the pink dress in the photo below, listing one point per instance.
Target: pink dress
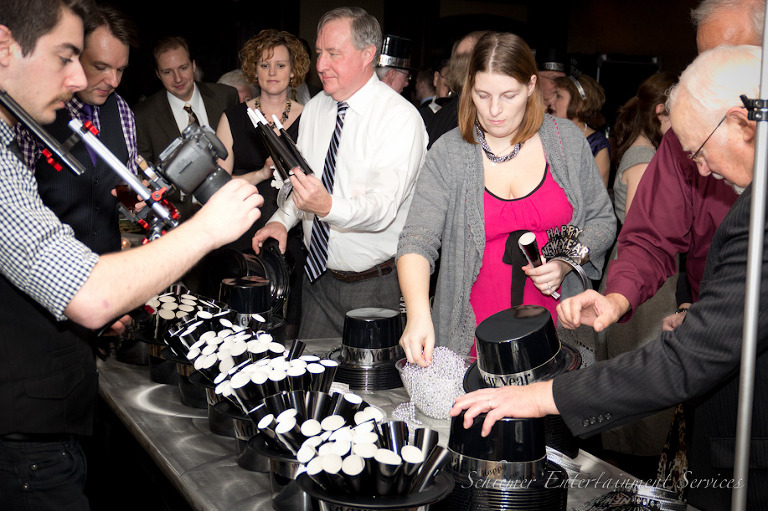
(545, 207)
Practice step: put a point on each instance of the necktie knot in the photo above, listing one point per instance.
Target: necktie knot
(88, 111)
(341, 109)
(191, 114)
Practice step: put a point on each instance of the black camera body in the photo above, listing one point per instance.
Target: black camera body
(190, 163)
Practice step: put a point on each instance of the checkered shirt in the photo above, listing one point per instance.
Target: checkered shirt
(38, 254)
(31, 147)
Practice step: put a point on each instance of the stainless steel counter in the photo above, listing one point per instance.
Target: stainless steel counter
(202, 465)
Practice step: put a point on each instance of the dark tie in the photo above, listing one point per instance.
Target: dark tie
(88, 110)
(13, 146)
(191, 114)
(318, 247)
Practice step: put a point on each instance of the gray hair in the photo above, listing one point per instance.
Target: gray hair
(714, 81)
(237, 77)
(753, 9)
(366, 30)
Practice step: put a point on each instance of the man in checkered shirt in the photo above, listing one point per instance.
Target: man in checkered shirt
(85, 202)
(53, 288)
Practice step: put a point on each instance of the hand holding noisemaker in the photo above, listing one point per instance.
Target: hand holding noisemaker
(530, 249)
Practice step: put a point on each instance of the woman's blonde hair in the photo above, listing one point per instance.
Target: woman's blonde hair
(250, 54)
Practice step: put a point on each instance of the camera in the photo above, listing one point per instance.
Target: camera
(190, 163)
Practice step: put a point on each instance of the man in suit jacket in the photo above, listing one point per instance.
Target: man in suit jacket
(162, 117)
(699, 360)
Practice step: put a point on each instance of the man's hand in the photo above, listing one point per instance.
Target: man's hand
(119, 326)
(271, 230)
(522, 401)
(675, 320)
(229, 212)
(592, 309)
(310, 195)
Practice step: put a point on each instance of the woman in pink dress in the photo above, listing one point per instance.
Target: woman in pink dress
(507, 167)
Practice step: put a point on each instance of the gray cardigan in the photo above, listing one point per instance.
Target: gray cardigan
(447, 212)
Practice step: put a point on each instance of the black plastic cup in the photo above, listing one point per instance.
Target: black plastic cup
(425, 439)
(277, 403)
(316, 371)
(430, 469)
(249, 393)
(289, 433)
(317, 405)
(296, 349)
(298, 378)
(387, 467)
(298, 400)
(258, 412)
(347, 406)
(353, 470)
(367, 452)
(394, 435)
(413, 458)
(330, 367)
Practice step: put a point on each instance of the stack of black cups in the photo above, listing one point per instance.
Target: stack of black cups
(370, 349)
(508, 469)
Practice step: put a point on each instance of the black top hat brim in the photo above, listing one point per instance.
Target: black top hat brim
(568, 358)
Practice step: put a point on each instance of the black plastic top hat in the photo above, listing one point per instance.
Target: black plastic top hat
(246, 295)
(512, 440)
(516, 340)
(395, 52)
(372, 328)
(552, 59)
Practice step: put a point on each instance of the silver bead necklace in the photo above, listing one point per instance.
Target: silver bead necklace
(487, 150)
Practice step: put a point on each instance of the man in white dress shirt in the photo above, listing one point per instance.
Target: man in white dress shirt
(381, 148)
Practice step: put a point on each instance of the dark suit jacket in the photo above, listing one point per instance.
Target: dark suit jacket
(699, 361)
(156, 127)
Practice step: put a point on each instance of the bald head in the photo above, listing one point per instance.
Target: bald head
(731, 22)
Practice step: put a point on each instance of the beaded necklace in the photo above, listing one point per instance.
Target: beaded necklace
(284, 116)
(487, 150)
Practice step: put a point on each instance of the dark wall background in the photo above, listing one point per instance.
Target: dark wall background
(622, 41)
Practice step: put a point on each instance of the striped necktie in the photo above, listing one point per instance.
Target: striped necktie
(318, 246)
(191, 115)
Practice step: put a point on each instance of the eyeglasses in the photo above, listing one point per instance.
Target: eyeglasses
(695, 156)
(406, 73)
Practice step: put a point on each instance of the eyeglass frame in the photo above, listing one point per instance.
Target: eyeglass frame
(406, 73)
(695, 155)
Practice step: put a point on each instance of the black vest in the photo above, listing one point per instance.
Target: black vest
(85, 202)
(48, 381)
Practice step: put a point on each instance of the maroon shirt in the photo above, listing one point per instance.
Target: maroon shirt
(675, 210)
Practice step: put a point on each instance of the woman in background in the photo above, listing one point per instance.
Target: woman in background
(275, 61)
(580, 100)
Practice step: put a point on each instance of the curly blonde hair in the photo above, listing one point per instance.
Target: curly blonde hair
(269, 39)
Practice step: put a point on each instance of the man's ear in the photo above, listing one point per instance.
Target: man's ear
(369, 53)
(8, 45)
(746, 128)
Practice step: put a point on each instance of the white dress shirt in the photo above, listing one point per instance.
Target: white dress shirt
(382, 148)
(181, 116)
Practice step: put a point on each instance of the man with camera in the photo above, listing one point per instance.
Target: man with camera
(52, 287)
